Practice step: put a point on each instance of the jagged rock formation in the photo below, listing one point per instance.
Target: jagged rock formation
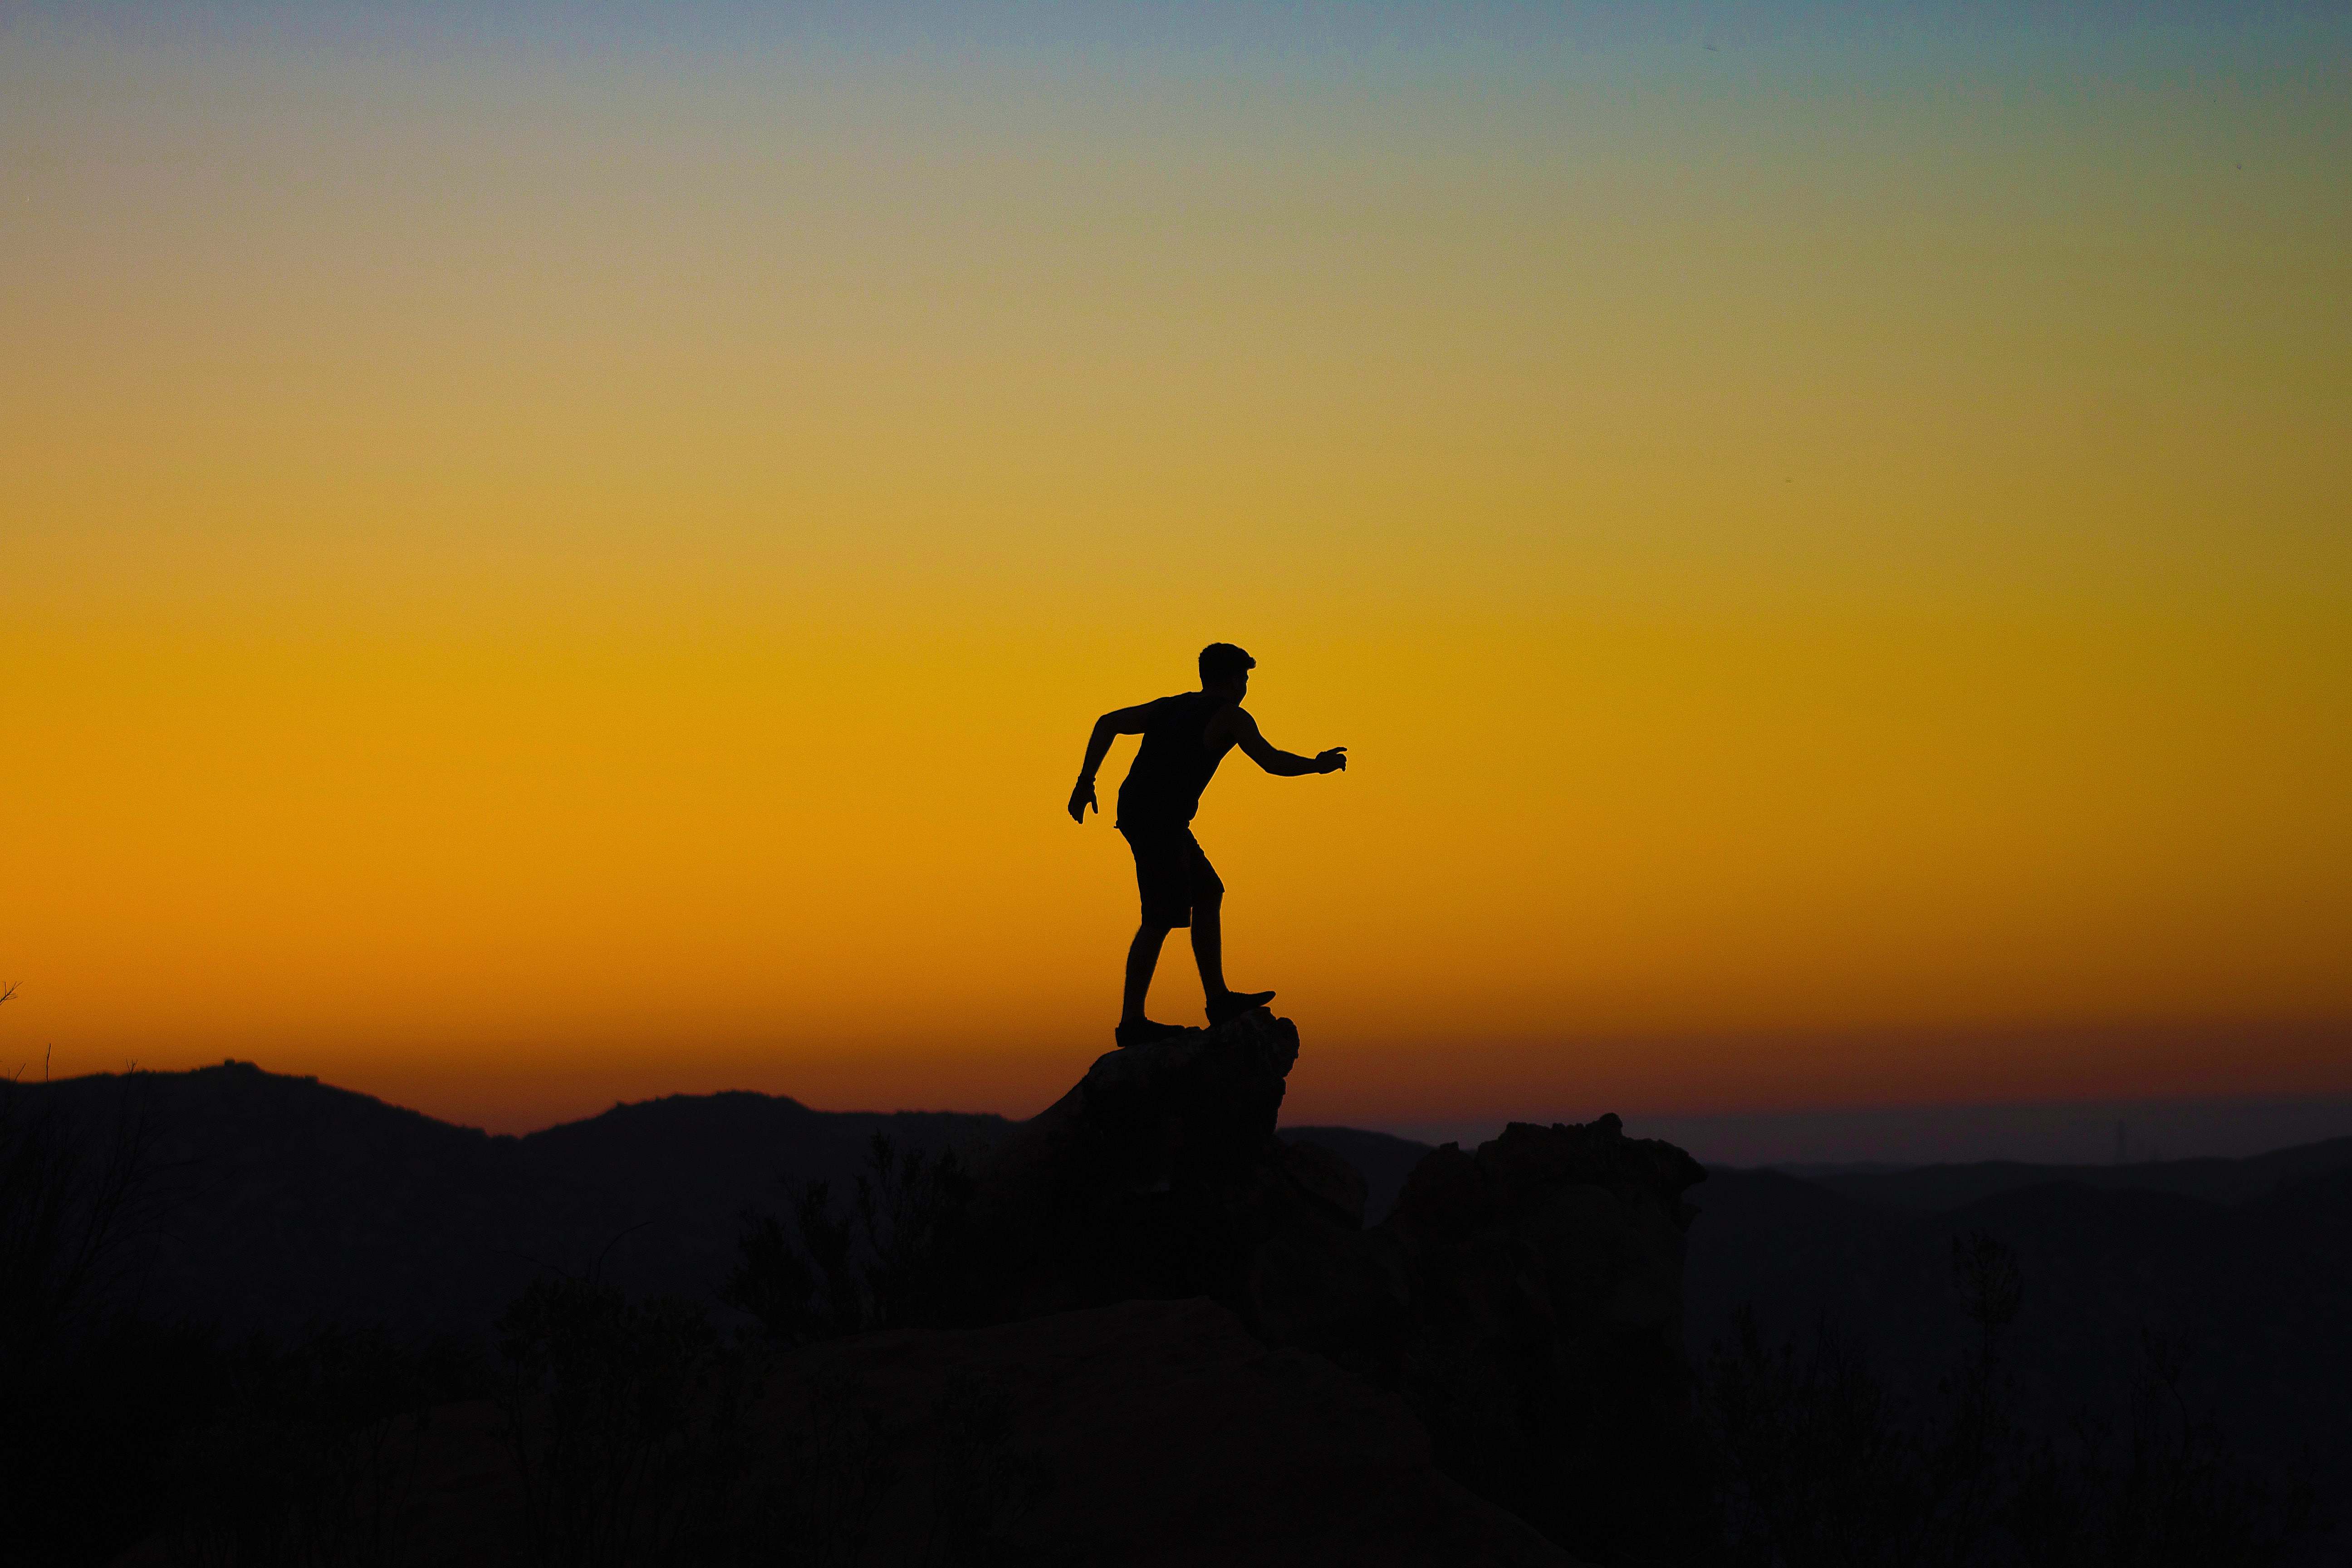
(1524, 1299)
(1544, 1350)
(1158, 1176)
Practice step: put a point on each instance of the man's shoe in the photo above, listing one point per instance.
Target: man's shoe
(1143, 1031)
(1233, 1004)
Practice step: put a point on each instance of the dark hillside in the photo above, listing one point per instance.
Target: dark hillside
(660, 1183)
(279, 1201)
(1772, 1240)
(2253, 1293)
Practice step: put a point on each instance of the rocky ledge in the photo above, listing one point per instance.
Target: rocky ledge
(1524, 1299)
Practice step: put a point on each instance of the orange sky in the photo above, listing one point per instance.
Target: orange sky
(531, 578)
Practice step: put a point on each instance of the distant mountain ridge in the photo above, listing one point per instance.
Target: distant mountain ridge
(1927, 1189)
(277, 1201)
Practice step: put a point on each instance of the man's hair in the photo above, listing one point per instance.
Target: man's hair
(1223, 662)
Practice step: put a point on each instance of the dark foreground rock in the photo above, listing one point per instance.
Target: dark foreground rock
(1544, 1344)
(1164, 1432)
(1158, 1175)
(1152, 1434)
(1524, 1300)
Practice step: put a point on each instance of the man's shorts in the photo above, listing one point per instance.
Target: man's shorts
(1171, 872)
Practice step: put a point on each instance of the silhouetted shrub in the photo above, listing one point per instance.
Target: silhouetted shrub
(626, 1425)
(1817, 1466)
(87, 1441)
(982, 1486)
(90, 1396)
(799, 1283)
(631, 1434)
(64, 1217)
(311, 1460)
(811, 1498)
(827, 1274)
(815, 1495)
(2160, 1487)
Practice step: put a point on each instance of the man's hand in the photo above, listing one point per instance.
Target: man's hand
(1334, 761)
(1082, 795)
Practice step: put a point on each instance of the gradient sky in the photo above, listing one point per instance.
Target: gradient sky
(550, 554)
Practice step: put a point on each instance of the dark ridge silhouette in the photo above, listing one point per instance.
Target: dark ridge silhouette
(1144, 1326)
(1932, 1188)
(277, 1201)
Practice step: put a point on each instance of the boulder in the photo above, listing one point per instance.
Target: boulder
(1524, 1299)
(1544, 1348)
(1158, 1176)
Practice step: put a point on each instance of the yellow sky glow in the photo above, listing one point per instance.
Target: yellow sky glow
(530, 582)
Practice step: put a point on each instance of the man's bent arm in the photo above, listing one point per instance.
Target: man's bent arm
(1108, 727)
(1279, 763)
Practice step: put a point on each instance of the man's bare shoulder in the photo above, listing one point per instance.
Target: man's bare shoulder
(1233, 722)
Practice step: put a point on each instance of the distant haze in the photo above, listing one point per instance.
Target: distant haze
(553, 554)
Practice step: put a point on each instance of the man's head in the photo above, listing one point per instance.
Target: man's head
(1224, 667)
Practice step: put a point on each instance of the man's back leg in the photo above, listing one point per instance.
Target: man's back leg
(1142, 958)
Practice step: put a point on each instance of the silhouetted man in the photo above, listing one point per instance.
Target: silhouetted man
(1184, 739)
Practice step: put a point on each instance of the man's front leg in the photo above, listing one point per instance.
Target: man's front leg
(1142, 958)
(1209, 949)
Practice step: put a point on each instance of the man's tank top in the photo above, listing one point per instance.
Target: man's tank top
(1172, 766)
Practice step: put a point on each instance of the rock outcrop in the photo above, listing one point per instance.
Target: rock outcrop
(1524, 1299)
(1544, 1350)
(1158, 1176)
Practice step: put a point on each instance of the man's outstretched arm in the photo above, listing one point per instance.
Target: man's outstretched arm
(1108, 727)
(1279, 763)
